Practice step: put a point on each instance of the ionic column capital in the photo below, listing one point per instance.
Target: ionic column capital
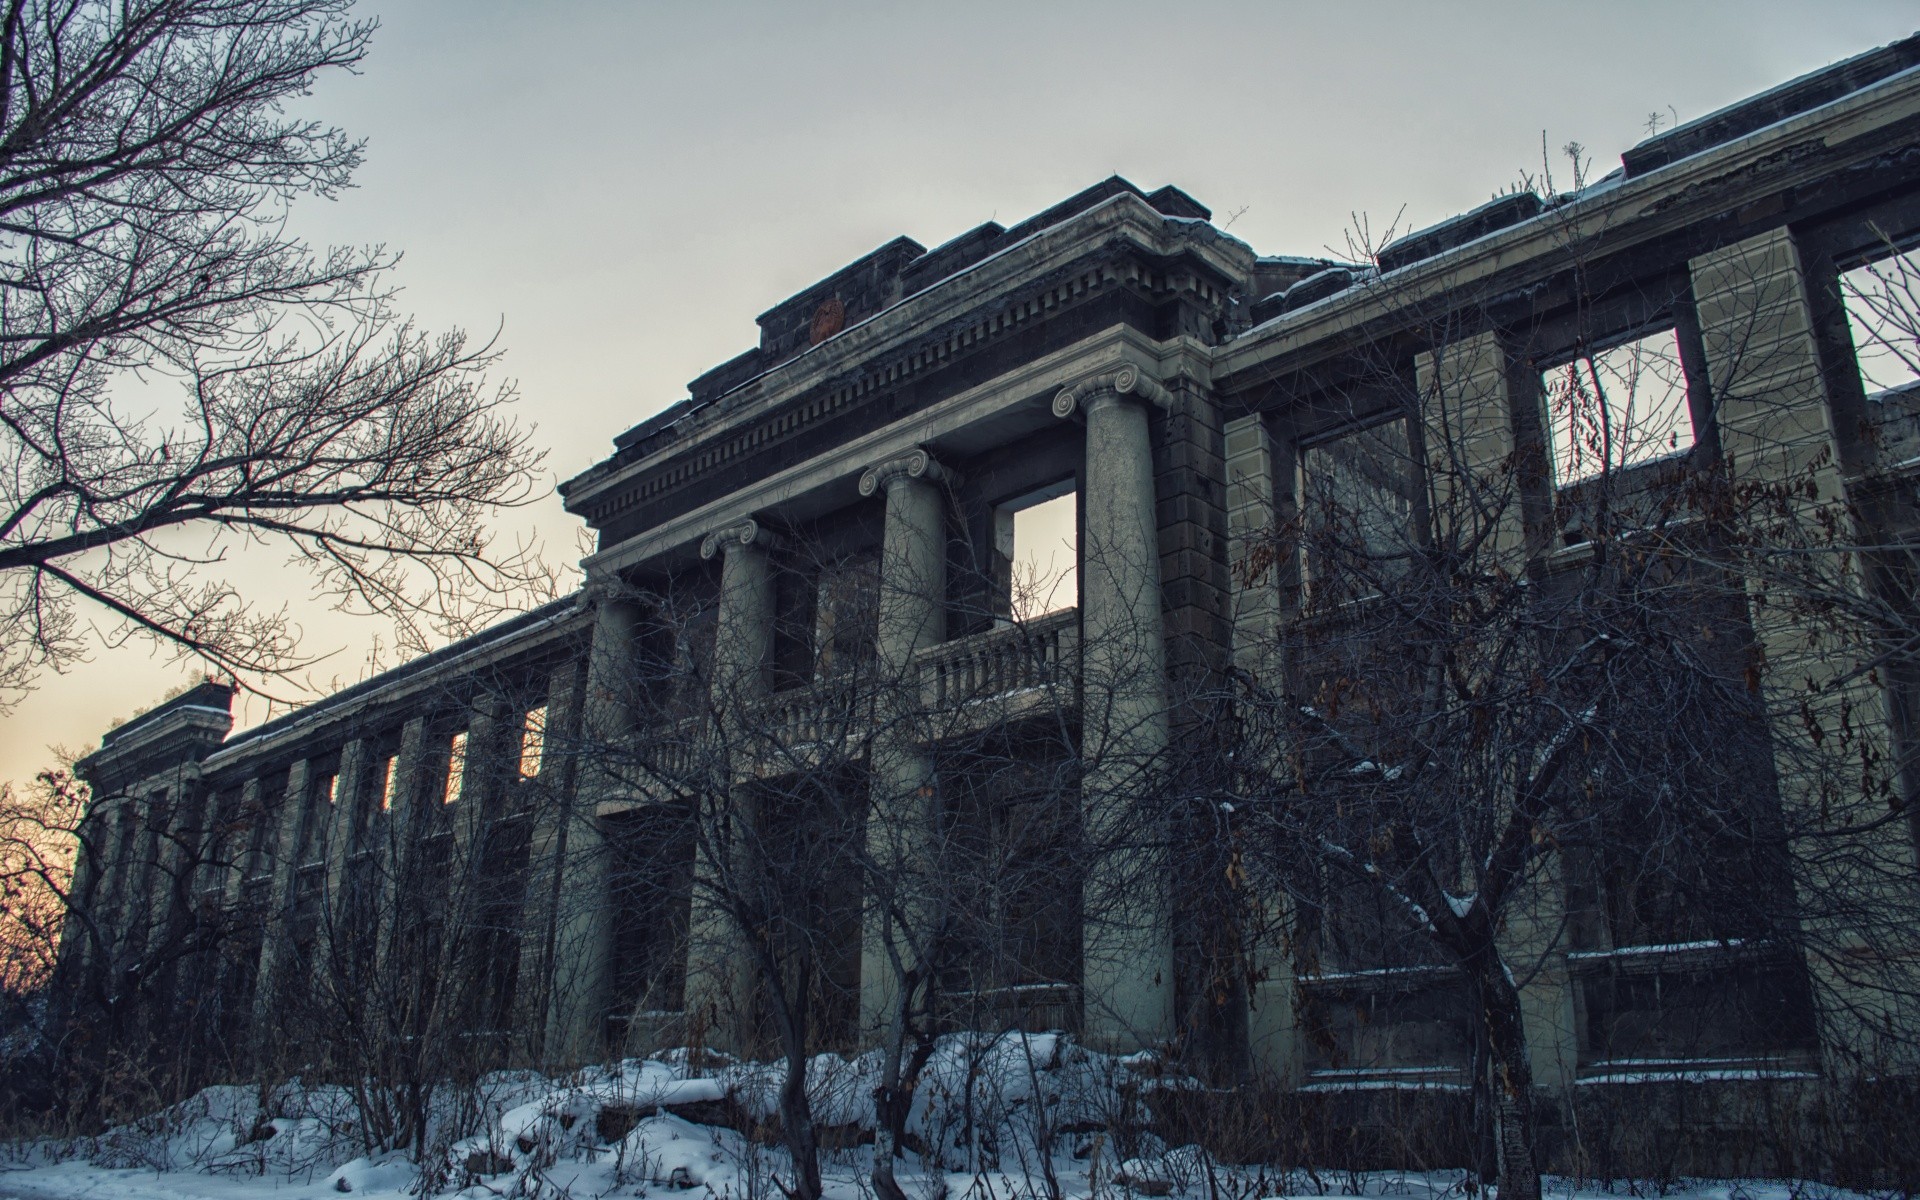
(915, 464)
(1126, 381)
(599, 590)
(741, 533)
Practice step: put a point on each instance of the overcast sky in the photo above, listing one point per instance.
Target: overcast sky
(621, 188)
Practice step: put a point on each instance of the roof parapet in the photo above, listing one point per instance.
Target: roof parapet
(1789, 99)
(1491, 217)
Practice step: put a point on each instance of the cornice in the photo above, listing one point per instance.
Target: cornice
(1634, 211)
(1029, 387)
(162, 742)
(955, 300)
(325, 714)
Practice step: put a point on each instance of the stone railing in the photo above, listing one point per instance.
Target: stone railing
(676, 751)
(1028, 659)
(804, 723)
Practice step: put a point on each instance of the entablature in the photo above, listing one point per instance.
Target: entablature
(992, 413)
(524, 645)
(1121, 262)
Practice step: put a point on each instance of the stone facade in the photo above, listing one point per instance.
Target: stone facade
(1118, 346)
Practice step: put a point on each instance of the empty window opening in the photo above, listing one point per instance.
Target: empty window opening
(533, 741)
(1617, 408)
(1356, 510)
(1882, 302)
(1037, 544)
(388, 780)
(1883, 314)
(650, 882)
(456, 768)
(263, 813)
(322, 793)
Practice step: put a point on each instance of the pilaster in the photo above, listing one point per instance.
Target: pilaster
(1477, 489)
(348, 816)
(399, 849)
(1258, 468)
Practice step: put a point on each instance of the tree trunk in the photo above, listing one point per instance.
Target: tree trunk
(893, 1098)
(796, 1113)
(1485, 1143)
(796, 1127)
(1499, 1003)
(889, 1114)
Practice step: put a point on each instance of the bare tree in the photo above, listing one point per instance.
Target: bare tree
(147, 162)
(118, 970)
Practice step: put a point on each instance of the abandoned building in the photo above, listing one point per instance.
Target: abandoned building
(1002, 502)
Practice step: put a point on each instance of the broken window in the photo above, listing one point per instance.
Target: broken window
(795, 596)
(1617, 408)
(1037, 549)
(1356, 510)
(673, 648)
(1404, 1028)
(805, 886)
(1731, 1004)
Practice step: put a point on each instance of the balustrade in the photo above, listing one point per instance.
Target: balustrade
(1027, 658)
(992, 676)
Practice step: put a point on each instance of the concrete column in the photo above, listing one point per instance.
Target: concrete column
(720, 979)
(546, 856)
(99, 883)
(582, 979)
(743, 641)
(482, 787)
(399, 842)
(241, 864)
(87, 891)
(1127, 970)
(350, 797)
(276, 955)
(136, 909)
(176, 822)
(912, 615)
(1254, 476)
(1466, 409)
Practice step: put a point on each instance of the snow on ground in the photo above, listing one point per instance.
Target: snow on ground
(993, 1118)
